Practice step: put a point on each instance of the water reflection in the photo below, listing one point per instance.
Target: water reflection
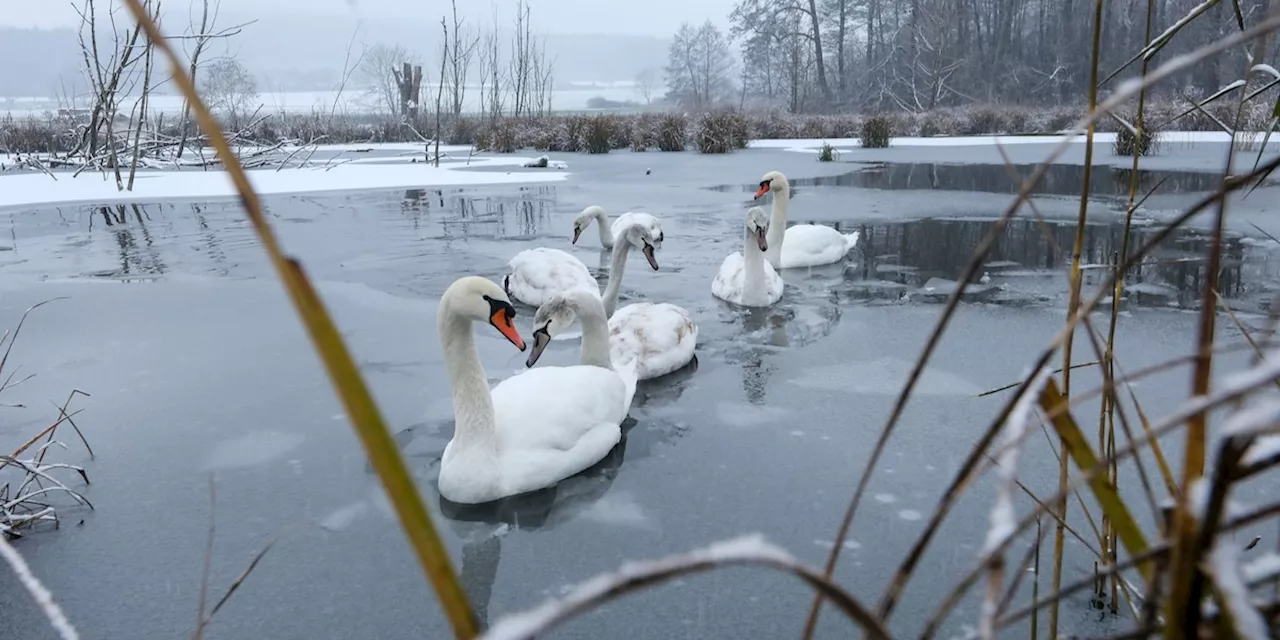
(1060, 179)
(333, 233)
(898, 256)
(546, 508)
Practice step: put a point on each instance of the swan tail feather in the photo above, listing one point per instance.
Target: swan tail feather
(851, 240)
(629, 369)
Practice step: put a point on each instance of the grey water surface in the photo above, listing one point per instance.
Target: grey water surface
(198, 369)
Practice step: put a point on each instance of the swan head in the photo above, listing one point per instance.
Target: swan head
(758, 223)
(642, 239)
(773, 181)
(583, 220)
(557, 314)
(481, 300)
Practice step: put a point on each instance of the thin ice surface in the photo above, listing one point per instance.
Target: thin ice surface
(1261, 568)
(38, 592)
(1253, 419)
(1227, 577)
(528, 623)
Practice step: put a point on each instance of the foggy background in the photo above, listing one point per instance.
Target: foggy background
(300, 45)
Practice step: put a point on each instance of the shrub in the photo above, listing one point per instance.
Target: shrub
(827, 153)
(462, 131)
(876, 132)
(983, 121)
(644, 132)
(595, 133)
(1129, 144)
(673, 133)
(499, 136)
(1016, 122)
(720, 132)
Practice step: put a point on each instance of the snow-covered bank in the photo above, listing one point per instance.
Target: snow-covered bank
(28, 189)
(1168, 137)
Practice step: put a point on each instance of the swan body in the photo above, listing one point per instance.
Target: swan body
(597, 213)
(534, 275)
(746, 278)
(533, 429)
(661, 336)
(801, 245)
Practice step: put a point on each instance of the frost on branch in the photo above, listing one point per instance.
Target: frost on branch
(748, 548)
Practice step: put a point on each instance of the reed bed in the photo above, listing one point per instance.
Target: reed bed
(1186, 576)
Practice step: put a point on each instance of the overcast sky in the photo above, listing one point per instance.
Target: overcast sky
(638, 17)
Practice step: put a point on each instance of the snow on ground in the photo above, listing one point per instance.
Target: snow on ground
(31, 188)
(813, 144)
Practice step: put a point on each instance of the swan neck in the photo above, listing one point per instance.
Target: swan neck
(595, 336)
(752, 262)
(606, 231)
(777, 224)
(472, 404)
(614, 284)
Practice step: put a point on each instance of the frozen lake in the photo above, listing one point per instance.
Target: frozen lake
(197, 365)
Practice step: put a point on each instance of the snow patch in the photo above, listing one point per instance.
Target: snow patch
(29, 189)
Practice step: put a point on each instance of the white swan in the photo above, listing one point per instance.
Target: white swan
(538, 274)
(534, 275)
(801, 245)
(661, 336)
(533, 429)
(596, 212)
(747, 278)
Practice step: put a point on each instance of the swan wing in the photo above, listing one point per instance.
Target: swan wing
(773, 284)
(551, 407)
(728, 282)
(537, 274)
(662, 336)
(809, 245)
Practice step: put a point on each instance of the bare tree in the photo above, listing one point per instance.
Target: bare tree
(195, 42)
(646, 82)
(699, 67)
(460, 53)
(229, 89)
(444, 59)
(542, 82)
(491, 76)
(521, 64)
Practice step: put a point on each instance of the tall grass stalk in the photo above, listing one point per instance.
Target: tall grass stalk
(1106, 419)
(1076, 279)
(365, 417)
(1188, 582)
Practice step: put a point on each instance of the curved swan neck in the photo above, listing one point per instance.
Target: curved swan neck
(777, 224)
(472, 404)
(614, 285)
(753, 262)
(606, 231)
(595, 330)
